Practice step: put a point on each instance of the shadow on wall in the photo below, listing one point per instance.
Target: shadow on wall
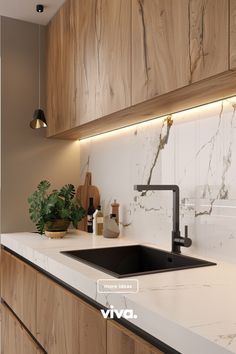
(27, 155)
(25, 166)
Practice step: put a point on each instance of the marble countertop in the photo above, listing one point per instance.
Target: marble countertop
(191, 310)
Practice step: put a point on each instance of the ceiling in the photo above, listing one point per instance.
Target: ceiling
(26, 10)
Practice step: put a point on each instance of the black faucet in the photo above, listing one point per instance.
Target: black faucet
(177, 239)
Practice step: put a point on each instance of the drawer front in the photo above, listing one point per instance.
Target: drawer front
(122, 341)
(18, 288)
(15, 339)
(66, 324)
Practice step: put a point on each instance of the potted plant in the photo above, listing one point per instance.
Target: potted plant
(53, 212)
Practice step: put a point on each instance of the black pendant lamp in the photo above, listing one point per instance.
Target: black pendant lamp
(39, 120)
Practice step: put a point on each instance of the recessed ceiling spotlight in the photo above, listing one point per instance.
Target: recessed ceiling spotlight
(39, 8)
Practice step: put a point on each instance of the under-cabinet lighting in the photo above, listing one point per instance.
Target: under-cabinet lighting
(189, 113)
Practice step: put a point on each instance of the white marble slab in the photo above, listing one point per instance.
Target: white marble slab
(197, 152)
(193, 311)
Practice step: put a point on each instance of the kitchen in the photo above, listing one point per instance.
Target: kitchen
(135, 93)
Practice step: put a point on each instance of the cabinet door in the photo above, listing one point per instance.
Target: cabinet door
(160, 57)
(65, 324)
(209, 38)
(18, 288)
(104, 57)
(61, 64)
(14, 338)
(122, 341)
(175, 43)
(233, 34)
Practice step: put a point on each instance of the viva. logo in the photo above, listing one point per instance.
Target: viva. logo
(125, 313)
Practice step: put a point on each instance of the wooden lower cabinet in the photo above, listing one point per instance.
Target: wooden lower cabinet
(61, 322)
(15, 339)
(66, 324)
(18, 288)
(122, 341)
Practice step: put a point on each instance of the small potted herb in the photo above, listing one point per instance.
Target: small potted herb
(53, 212)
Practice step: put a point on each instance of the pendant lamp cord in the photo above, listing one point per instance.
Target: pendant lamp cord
(39, 60)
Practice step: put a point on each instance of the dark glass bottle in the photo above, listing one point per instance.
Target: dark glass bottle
(90, 212)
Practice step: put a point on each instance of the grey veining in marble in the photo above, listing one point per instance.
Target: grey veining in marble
(195, 149)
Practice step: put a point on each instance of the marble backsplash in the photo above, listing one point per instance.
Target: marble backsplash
(195, 149)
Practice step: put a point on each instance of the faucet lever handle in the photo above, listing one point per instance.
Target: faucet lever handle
(186, 231)
(187, 240)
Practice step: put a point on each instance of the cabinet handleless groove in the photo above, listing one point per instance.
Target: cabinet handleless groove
(209, 90)
(14, 338)
(18, 288)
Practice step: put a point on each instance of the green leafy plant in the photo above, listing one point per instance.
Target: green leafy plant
(59, 204)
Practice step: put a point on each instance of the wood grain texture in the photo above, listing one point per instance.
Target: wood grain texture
(202, 92)
(122, 341)
(83, 193)
(232, 34)
(87, 69)
(61, 70)
(65, 324)
(104, 57)
(175, 43)
(92, 333)
(93, 71)
(160, 43)
(209, 44)
(15, 339)
(18, 289)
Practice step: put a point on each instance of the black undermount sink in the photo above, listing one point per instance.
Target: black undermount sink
(128, 261)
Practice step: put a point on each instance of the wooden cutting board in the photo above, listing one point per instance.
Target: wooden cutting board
(84, 192)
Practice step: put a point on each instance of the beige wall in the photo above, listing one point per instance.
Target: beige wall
(27, 156)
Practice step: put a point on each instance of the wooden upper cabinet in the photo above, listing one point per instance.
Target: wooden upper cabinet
(233, 34)
(87, 71)
(209, 38)
(176, 43)
(104, 57)
(18, 289)
(122, 341)
(61, 69)
(160, 57)
(66, 324)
